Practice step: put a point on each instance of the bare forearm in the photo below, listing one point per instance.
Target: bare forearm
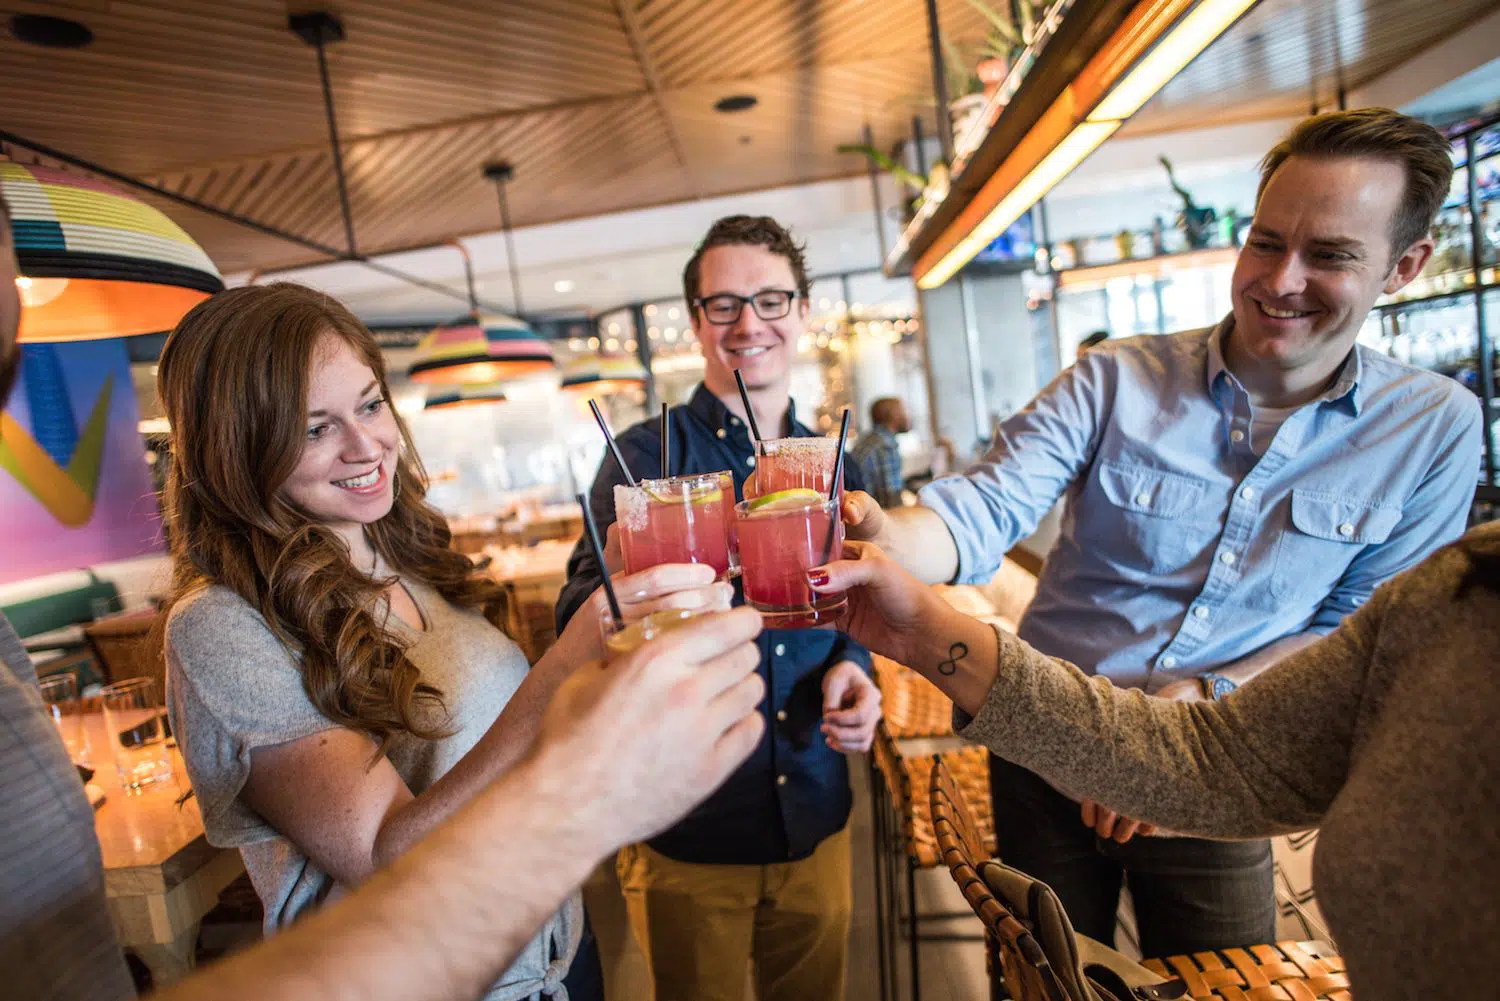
(503, 744)
(919, 540)
(461, 905)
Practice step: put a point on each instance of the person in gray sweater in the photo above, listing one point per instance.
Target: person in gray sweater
(1382, 735)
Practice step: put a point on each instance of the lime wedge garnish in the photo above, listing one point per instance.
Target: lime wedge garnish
(704, 495)
(798, 497)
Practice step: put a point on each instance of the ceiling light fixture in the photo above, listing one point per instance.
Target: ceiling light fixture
(49, 32)
(736, 102)
(563, 285)
(1153, 45)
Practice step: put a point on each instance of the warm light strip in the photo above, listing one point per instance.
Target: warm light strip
(1204, 23)
(1176, 47)
(1083, 140)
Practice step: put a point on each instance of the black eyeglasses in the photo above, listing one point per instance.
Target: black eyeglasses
(723, 309)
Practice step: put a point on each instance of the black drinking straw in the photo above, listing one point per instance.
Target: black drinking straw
(838, 461)
(609, 440)
(833, 491)
(592, 531)
(739, 380)
(666, 445)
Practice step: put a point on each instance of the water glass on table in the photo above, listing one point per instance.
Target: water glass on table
(60, 693)
(136, 721)
(679, 519)
(782, 535)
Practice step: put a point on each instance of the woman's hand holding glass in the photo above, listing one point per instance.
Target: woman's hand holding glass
(894, 614)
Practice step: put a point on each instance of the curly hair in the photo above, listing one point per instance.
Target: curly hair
(233, 379)
(746, 231)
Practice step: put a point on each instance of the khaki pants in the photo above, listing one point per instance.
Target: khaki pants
(701, 926)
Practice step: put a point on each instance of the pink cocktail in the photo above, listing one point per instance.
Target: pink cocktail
(684, 519)
(781, 537)
(792, 463)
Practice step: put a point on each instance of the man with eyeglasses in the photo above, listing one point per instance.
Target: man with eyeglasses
(761, 871)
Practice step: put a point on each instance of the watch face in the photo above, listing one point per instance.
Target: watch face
(1222, 687)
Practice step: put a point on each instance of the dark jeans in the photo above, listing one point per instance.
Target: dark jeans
(585, 978)
(1190, 895)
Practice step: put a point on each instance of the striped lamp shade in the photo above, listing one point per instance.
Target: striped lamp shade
(489, 349)
(603, 375)
(95, 262)
(456, 397)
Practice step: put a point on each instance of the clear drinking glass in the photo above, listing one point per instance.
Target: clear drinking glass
(681, 519)
(795, 463)
(60, 693)
(620, 641)
(135, 720)
(780, 540)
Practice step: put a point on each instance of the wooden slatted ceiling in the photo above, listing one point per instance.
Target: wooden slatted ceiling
(1286, 55)
(602, 105)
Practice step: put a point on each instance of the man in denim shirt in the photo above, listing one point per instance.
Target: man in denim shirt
(761, 871)
(1231, 495)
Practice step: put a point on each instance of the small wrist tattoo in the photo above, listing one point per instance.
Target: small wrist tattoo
(956, 653)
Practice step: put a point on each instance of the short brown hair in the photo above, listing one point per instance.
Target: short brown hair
(746, 231)
(1380, 134)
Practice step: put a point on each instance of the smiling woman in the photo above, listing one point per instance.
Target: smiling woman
(337, 682)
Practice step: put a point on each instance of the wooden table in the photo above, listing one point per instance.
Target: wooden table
(160, 873)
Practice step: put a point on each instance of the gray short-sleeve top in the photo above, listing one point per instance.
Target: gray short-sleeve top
(233, 687)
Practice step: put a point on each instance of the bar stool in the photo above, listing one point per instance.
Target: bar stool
(903, 820)
(1033, 953)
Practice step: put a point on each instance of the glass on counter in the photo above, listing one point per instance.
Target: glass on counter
(60, 694)
(136, 722)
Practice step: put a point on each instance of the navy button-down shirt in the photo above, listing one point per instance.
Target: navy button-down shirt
(793, 792)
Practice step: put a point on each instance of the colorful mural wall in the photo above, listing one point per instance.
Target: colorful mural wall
(75, 489)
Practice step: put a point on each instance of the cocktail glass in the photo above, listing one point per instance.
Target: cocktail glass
(621, 641)
(795, 463)
(682, 519)
(782, 535)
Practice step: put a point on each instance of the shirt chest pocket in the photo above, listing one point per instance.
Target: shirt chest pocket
(1325, 532)
(1149, 518)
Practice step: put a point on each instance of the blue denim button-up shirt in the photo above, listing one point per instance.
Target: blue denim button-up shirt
(1181, 550)
(793, 792)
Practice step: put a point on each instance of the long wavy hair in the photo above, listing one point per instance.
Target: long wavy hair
(233, 378)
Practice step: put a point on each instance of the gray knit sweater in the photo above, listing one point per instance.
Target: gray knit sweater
(1385, 735)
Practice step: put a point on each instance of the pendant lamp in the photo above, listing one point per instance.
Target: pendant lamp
(94, 262)
(482, 349)
(592, 376)
(460, 397)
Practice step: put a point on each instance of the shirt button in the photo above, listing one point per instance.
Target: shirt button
(1201, 612)
(1246, 493)
(1169, 662)
(781, 715)
(1346, 530)
(1235, 435)
(781, 780)
(750, 462)
(735, 421)
(721, 432)
(781, 649)
(1227, 559)
(1143, 498)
